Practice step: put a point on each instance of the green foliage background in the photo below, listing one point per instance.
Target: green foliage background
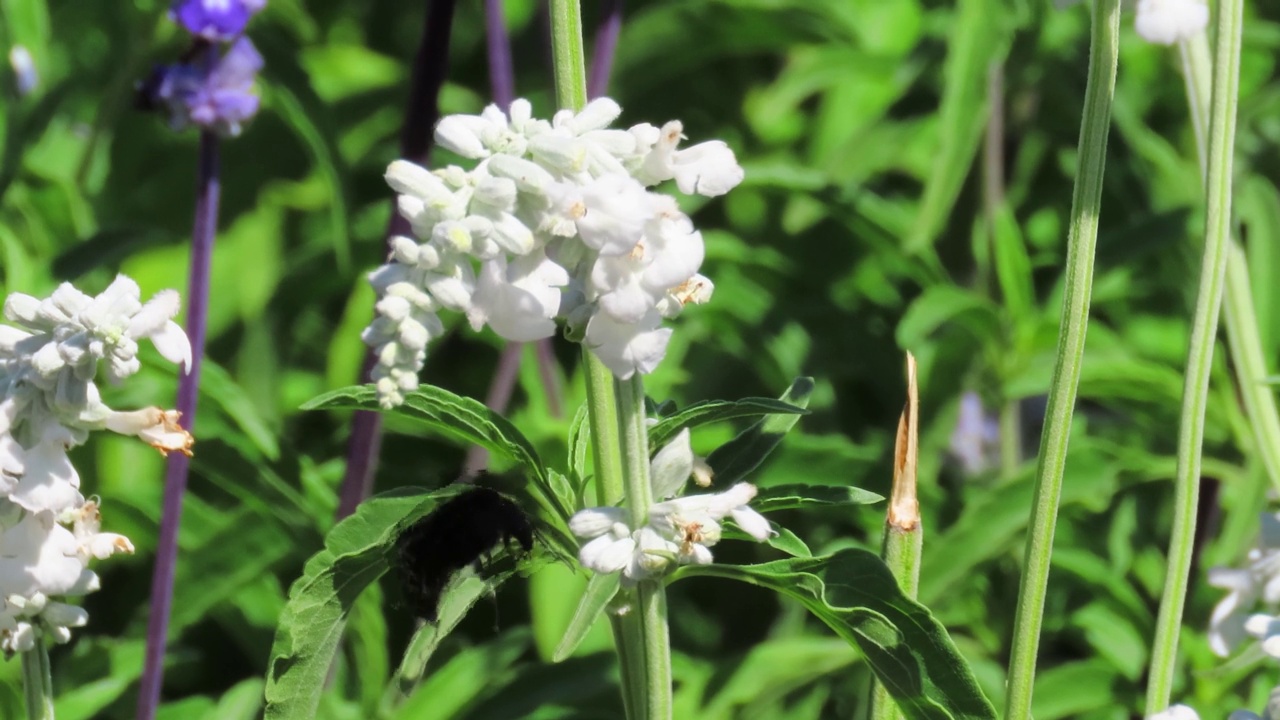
(860, 231)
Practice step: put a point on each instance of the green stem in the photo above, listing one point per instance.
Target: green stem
(619, 439)
(1081, 242)
(651, 595)
(1248, 358)
(1204, 330)
(567, 56)
(602, 416)
(37, 682)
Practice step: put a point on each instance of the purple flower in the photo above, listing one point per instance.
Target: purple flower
(215, 20)
(214, 93)
(975, 442)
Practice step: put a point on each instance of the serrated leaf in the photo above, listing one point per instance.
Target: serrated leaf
(600, 590)
(356, 553)
(738, 457)
(856, 595)
(710, 411)
(790, 497)
(454, 415)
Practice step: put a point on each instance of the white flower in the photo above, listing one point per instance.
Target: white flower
(1259, 581)
(159, 428)
(551, 224)
(628, 348)
(48, 404)
(708, 168)
(1175, 712)
(519, 300)
(678, 531)
(1166, 22)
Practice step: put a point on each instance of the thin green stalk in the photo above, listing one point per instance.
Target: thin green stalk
(37, 682)
(602, 416)
(903, 537)
(651, 596)
(567, 56)
(1197, 72)
(1248, 358)
(1204, 330)
(1081, 241)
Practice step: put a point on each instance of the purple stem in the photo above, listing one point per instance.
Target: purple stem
(175, 477)
(430, 66)
(502, 74)
(606, 47)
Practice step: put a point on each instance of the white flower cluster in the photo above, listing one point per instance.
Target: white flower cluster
(48, 404)
(553, 223)
(679, 531)
(1165, 22)
(1234, 618)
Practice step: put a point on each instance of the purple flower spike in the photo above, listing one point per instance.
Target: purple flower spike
(215, 20)
(215, 95)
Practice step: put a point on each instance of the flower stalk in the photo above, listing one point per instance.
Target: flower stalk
(1238, 312)
(1222, 126)
(422, 110)
(37, 682)
(903, 537)
(1081, 242)
(177, 469)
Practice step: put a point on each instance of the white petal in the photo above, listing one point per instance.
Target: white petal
(173, 345)
(460, 134)
(752, 523)
(595, 521)
(671, 466)
(709, 169)
(155, 314)
(607, 554)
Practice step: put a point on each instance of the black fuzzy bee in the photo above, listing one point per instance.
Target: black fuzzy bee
(458, 533)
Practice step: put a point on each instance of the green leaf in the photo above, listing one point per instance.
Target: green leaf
(218, 387)
(356, 553)
(459, 597)
(945, 304)
(976, 37)
(1013, 267)
(711, 411)
(854, 593)
(460, 417)
(579, 446)
(791, 497)
(601, 589)
(738, 457)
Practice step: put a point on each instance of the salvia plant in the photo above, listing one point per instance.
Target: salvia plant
(1072, 515)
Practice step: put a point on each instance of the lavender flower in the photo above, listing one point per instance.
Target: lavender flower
(215, 20)
(211, 92)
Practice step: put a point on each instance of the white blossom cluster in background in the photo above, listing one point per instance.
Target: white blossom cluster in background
(1165, 22)
(1249, 589)
(679, 530)
(49, 358)
(554, 223)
